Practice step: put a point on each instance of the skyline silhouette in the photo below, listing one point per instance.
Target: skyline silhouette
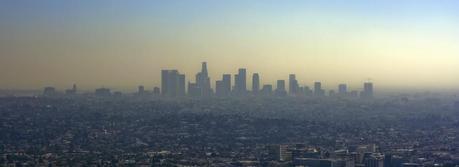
(399, 44)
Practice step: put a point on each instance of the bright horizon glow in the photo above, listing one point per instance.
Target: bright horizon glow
(409, 44)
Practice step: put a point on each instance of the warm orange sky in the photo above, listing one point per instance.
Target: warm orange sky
(122, 44)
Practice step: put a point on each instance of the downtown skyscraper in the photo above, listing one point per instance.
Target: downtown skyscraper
(172, 83)
(255, 84)
(240, 82)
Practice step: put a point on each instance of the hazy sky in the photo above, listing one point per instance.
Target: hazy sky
(122, 43)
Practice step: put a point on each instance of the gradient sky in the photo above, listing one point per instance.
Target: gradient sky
(121, 44)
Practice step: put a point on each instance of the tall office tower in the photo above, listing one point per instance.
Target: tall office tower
(293, 85)
(240, 86)
(219, 88)
(141, 90)
(280, 90)
(318, 91)
(226, 84)
(164, 78)
(367, 90)
(255, 84)
(342, 89)
(235, 88)
(267, 90)
(181, 85)
(203, 81)
(172, 83)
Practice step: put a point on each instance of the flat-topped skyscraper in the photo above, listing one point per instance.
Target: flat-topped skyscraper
(172, 83)
(293, 85)
(280, 90)
(240, 87)
(367, 90)
(342, 89)
(255, 83)
(318, 91)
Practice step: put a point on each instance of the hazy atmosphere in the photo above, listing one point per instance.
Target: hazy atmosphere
(122, 44)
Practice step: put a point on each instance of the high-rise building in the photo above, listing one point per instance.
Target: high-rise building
(318, 91)
(240, 87)
(280, 90)
(367, 90)
(203, 81)
(172, 83)
(342, 89)
(293, 85)
(226, 84)
(141, 90)
(267, 90)
(255, 84)
(181, 85)
(219, 88)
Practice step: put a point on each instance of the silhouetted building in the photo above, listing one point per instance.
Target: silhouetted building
(280, 90)
(203, 81)
(342, 89)
(293, 85)
(181, 85)
(223, 87)
(219, 88)
(240, 86)
(141, 90)
(267, 90)
(255, 84)
(226, 84)
(72, 91)
(172, 83)
(49, 91)
(367, 90)
(103, 92)
(318, 91)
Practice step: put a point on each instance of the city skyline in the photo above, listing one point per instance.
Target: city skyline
(398, 44)
(175, 84)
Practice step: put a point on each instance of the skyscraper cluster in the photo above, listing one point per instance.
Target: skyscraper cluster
(173, 85)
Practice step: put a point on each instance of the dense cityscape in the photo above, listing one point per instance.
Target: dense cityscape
(195, 126)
